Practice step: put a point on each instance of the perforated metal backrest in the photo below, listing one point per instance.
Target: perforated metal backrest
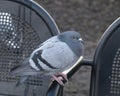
(23, 26)
(106, 70)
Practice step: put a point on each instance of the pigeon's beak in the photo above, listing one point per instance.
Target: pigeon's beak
(80, 39)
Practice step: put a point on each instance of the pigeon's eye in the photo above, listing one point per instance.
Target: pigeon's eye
(77, 38)
(74, 38)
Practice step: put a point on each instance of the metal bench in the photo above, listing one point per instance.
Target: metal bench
(23, 26)
(105, 76)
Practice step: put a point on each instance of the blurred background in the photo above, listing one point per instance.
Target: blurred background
(89, 17)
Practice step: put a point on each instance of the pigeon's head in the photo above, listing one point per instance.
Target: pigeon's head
(70, 36)
(73, 40)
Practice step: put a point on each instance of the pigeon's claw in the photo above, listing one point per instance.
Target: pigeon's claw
(60, 78)
(64, 76)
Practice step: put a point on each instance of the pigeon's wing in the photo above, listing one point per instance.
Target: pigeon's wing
(25, 69)
(58, 56)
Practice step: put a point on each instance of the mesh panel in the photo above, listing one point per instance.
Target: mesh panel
(115, 74)
(17, 40)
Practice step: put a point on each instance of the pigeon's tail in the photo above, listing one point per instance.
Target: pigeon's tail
(23, 70)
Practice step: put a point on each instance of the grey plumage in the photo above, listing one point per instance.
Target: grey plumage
(54, 55)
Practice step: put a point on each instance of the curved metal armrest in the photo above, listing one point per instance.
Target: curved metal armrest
(55, 89)
(86, 62)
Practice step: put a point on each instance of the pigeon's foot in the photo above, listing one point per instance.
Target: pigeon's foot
(64, 76)
(60, 77)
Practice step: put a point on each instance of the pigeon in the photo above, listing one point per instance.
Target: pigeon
(52, 57)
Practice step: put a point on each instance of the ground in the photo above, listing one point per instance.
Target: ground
(89, 17)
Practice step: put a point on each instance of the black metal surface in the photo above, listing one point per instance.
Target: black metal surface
(23, 26)
(55, 89)
(106, 69)
(87, 62)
